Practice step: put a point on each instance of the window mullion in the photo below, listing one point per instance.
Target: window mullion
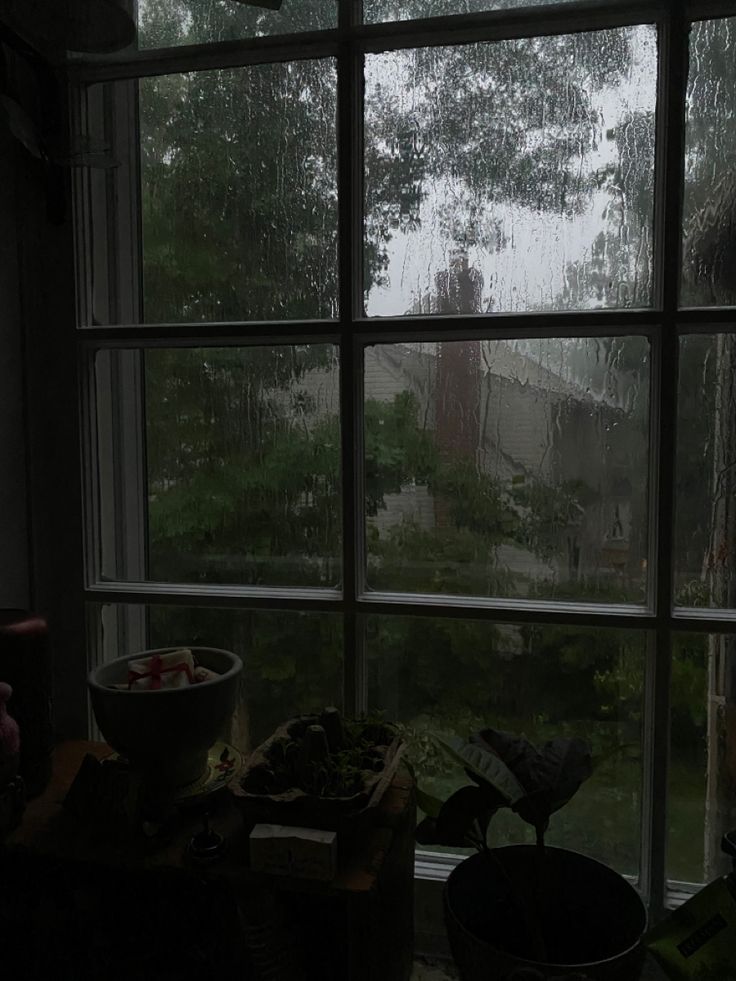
(672, 106)
(522, 21)
(705, 9)
(349, 108)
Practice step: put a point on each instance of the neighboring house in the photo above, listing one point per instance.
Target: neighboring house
(522, 422)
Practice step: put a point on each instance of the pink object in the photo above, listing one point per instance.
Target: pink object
(172, 670)
(9, 732)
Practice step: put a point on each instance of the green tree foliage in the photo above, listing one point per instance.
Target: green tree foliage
(397, 450)
(239, 194)
(238, 473)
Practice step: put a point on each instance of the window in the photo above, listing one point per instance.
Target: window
(408, 374)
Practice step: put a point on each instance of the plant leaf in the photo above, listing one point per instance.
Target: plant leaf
(482, 762)
(426, 832)
(21, 125)
(457, 819)
(550, 776)
(459, 814)
(427, 803)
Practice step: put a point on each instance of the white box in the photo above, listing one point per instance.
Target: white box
(301, 852)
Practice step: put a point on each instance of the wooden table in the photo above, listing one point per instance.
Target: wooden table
(107, 904)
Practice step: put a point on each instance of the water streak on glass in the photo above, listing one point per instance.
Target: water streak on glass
(509, 468)
(705, 527)
(709, 246)
(528, 165)
(239, 194)
(452, 677)
(166, 23)
(703, 727)
(376, 11)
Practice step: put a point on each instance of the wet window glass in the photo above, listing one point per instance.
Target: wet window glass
(709, 247)
(165, 23)
(451, 677)
(509, 468)
(530, 162)
(239, 194)
(229, 473)
(705, 525)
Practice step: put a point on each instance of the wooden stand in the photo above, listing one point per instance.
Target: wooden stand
(128, 893)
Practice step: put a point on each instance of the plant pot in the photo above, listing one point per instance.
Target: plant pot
(165, 734)
(591, 919)
(266, 800)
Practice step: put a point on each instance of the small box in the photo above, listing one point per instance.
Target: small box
(304, 853)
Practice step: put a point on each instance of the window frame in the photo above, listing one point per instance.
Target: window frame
(663, 324)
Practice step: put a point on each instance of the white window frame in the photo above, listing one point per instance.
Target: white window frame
(663, 325)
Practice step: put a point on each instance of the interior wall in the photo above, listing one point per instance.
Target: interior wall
(41, 541)
(14, 558)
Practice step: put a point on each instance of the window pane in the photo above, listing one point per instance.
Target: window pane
(382, 10)
(709, 258)
(292, 662)
(511, 176)
(239, 477)
(239, 193)
(163, 23)
(702, 774)
(706, 472)
(452, 677)
(509, 468)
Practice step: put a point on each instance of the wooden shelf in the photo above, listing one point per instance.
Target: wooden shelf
(360, 924)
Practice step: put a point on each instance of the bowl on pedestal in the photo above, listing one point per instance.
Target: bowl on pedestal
(165, 734)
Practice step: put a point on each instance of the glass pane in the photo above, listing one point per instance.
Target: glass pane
(239, 193)
(706, 472)
(163, 23)
(239, 477)
(292, 662)
(509, 468)
(709, 252)
(511, 176)
(702, 772)
(453, 677)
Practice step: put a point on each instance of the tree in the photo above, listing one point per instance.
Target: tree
(239, 194)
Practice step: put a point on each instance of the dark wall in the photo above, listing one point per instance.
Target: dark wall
(40, 499)
(14, 566)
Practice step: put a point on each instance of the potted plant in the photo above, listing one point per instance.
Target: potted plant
(320, 771)
(529, 911)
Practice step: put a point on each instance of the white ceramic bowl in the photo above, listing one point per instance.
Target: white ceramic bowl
(166, 734)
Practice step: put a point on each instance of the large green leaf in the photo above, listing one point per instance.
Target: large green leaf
(549, 777)
(427, 803)
(462, 819)
(486, 765)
